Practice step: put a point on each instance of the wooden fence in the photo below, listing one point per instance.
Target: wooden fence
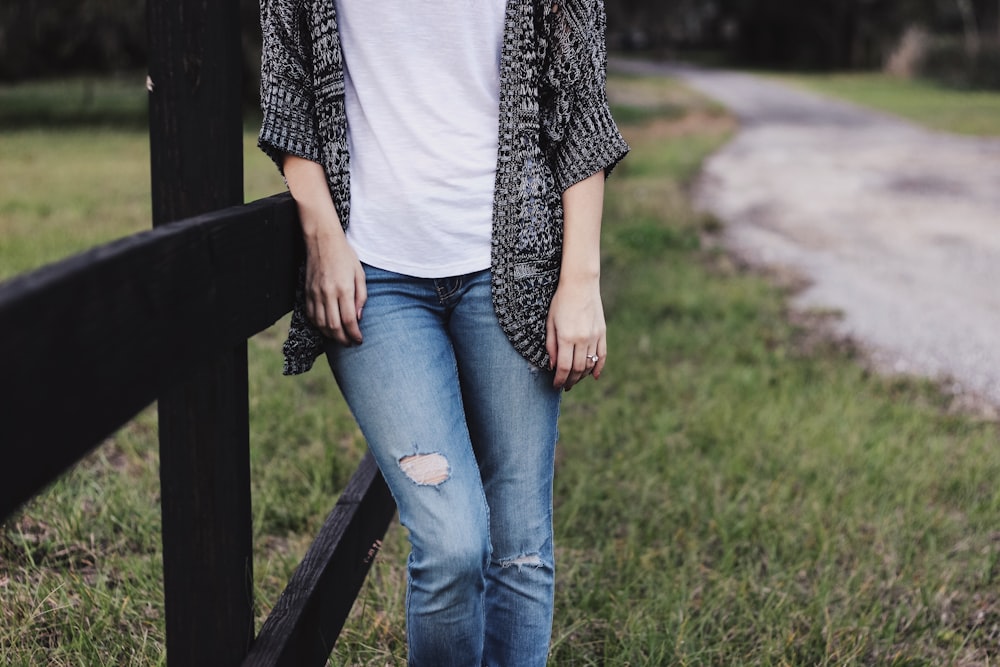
(164, 315)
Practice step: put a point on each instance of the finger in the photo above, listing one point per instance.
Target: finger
(564, 365)
(350, 329)
(589, 361)
(551, 345)
(328, 321)
(571, 381)
(580, 366)
(360, 290)
(319, 315)
(321, 319)
(349, 306)
(602, 357)
(337, 333)
(311, 311)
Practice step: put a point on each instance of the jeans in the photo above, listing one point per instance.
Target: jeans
(464, 431)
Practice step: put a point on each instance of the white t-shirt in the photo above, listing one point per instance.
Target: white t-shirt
(422, 99)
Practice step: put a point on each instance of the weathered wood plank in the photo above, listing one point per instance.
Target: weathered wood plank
(196, 158)
(304, 625)
(88, 342)
(206, 510)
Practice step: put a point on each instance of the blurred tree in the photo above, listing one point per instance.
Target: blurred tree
(824, 34)
(48, 37)
(59, 37)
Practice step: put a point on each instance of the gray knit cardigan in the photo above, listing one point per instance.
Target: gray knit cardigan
(555, 130)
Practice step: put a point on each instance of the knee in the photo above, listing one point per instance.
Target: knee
(464, 559)
(458, 565)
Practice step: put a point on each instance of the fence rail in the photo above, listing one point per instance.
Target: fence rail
(90, 341)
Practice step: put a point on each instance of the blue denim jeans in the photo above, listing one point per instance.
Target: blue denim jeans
(464, 431)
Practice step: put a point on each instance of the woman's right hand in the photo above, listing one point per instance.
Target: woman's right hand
(335, 286)
(335, 281)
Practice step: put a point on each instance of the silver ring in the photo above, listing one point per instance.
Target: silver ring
(593, 357)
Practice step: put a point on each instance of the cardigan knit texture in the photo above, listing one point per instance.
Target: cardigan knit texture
(555, 130)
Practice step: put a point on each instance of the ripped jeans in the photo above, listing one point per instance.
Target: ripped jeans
(464, 431)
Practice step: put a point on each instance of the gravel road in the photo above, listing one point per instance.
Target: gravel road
(895, 227)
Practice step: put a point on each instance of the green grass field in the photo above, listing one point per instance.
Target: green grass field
(735, 490)
(936, 106)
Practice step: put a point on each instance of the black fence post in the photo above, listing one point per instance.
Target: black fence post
(197, 166)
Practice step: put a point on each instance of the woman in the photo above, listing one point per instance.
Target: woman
(467, 145)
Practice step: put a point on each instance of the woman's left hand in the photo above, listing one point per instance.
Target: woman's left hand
(576, 331)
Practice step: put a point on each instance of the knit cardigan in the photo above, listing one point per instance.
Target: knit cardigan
(555, 130)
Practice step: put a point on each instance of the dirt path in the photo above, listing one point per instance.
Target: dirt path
(892, 225)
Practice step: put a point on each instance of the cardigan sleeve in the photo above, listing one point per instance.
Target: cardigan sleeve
(288, 126)
(589, 140)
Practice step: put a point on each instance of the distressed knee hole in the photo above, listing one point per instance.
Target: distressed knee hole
(426, 469)
(528, 560)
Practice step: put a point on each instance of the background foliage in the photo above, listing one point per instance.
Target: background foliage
(824, 34)
(48, 37)
(61, 37)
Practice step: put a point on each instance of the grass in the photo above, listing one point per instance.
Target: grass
(65, 191)
(933, 105)
(83, 101)
(735, 490)
(84, 180)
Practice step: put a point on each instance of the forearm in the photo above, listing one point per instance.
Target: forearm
(307, 183)
(335, 280)
(575, 329)
(583, 205)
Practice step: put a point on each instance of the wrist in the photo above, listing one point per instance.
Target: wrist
(319, 220)
(321, 229)
(580, 273)
(324, 240)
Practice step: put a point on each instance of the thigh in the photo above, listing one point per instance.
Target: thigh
(512, 411)
(402, 386)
